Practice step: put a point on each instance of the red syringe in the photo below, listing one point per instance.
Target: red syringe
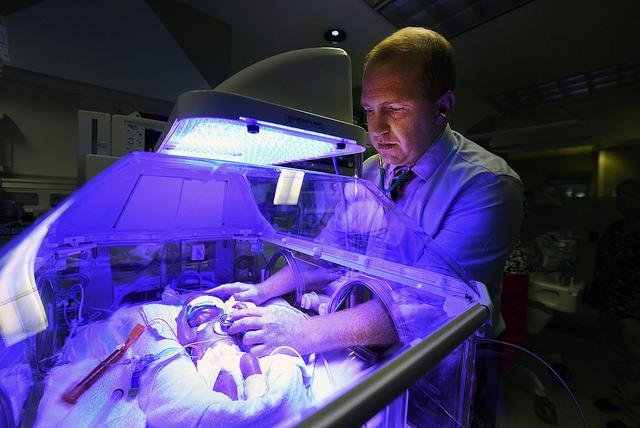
(74, 393)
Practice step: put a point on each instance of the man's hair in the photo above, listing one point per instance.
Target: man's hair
(428, 49)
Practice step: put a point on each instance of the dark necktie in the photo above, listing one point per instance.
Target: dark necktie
(399, 177)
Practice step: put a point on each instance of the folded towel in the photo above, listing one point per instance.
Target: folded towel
(53, 412)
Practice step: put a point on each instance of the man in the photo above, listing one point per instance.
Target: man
(467, 199)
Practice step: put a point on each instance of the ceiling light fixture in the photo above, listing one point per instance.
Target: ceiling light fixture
(335, 35)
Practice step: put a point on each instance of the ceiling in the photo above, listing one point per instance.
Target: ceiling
(533, 74)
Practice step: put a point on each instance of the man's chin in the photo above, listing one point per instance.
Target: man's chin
(385, 154)
(389, 159)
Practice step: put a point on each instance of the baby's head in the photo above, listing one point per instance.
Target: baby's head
(203, 320)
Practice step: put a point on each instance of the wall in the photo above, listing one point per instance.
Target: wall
(535, 172)
(117, 44)
(586, 218)
(616, 165)
(104, 55)
(39, 120)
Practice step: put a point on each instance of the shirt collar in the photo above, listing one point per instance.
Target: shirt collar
(435, 155)
(432, 158)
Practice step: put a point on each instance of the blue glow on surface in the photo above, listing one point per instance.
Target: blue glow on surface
(22, 313)
(230, 140)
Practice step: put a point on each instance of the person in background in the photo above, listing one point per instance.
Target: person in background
(615, 293)
(514, 302)
(467, 199)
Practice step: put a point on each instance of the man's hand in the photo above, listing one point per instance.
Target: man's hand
(242, 292)
(267, 328)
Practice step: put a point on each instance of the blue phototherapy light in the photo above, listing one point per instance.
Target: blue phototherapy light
(251, 141)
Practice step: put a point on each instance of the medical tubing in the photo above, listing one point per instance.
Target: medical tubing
(441, 407)
(548, 367)
(307, 374)
(278, 350)
(64, 313)
(298, 282)
(379, 288)
(159, 367)
(325, 363)
(336, 167)
(177, 283)
(79, 285)
(357, 164)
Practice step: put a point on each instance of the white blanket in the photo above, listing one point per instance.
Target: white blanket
(53, 412)
(172, 393)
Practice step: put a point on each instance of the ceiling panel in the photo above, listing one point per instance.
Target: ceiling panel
(449, 18)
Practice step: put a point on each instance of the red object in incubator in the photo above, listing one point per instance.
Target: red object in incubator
(249, 365)
(255, 384)
(226, 385)
(74, 393)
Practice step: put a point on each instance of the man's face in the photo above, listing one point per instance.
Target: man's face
(401, 121)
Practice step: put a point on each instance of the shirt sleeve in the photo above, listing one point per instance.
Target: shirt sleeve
(482, 226)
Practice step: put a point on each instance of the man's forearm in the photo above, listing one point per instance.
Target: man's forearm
(366, 324)
(278, 284)
(313, 277)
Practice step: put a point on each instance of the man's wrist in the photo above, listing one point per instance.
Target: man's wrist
(264, 293)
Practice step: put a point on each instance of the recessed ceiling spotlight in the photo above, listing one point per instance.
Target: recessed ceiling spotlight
(335, 35)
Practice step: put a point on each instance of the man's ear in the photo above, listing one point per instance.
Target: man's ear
(446, 102)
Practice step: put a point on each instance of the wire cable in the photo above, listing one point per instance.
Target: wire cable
(548, 367)
(441, 407)
(325, 363)
(64, 314)
(277, 349)
(336, 167)
(80, 318)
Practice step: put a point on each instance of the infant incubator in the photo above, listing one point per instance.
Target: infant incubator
(103, 301)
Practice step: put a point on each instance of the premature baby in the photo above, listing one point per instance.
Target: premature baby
(202, 327)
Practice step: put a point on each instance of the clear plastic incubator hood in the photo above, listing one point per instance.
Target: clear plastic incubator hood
(106, 317)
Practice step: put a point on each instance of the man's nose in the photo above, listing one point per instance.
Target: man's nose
(377, 125)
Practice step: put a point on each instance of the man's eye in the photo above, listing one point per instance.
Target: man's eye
(395, 109)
